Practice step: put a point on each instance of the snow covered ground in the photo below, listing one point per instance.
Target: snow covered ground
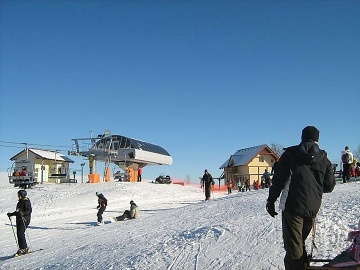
(176, 229)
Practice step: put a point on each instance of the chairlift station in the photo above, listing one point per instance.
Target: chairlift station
(125, 152)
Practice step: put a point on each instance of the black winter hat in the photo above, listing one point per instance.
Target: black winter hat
(310, 133)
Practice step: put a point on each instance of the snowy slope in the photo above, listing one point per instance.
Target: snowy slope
(176, 229)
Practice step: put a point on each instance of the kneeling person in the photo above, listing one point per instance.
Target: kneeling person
(133, 213)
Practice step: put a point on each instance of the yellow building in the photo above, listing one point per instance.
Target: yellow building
(39, 166)
(249, 163)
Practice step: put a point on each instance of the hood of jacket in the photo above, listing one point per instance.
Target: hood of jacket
(309, 152)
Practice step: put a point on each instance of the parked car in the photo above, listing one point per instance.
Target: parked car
(162, 179)
(121, 177)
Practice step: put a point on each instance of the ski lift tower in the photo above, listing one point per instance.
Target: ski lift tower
(127, 153)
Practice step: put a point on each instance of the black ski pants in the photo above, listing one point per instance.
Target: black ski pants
(295, 231)
(123, 216)
(100, 213)
(21, 226)
(346, 172)
(207, 191)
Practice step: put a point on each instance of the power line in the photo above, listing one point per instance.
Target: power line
(33, 144)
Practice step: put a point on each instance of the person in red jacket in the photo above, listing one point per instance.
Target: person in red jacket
(229, 185)
(139, 173)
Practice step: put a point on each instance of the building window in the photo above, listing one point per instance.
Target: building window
(261, 159)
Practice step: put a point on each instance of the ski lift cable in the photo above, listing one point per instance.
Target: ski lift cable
(33, 144)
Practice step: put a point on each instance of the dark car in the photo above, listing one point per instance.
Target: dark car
(162, 179)
(121, 177)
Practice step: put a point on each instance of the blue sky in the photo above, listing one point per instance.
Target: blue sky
(200, 78)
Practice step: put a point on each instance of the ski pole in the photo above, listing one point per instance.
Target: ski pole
(14, 233)
(27, 233)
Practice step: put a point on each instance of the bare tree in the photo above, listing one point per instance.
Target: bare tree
(357, 153)
(277, 148)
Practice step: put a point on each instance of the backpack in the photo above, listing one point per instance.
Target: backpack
(345, 158)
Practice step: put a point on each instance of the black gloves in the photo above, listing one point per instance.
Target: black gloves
(9, 214)
(270, 207)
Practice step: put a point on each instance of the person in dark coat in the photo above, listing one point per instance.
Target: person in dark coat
(266, 176)
(208, 182)
(102, 203)
(23, 216)
(247, 184)
(302, 175)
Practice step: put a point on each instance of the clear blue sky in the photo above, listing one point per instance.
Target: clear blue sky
(200, 78)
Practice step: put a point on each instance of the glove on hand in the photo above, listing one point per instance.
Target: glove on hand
(9, 214)
(270, 207)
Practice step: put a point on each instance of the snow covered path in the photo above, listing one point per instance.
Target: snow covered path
(176, 229)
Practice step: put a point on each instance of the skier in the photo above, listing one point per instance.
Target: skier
(207, 181)
(23, 216)
(102, 203)
(133, 213)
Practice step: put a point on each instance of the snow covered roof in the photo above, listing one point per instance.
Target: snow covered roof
(44, 154)
(244, 156)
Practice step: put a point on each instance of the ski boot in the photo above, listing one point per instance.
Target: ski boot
(101, 223)
(20, 252)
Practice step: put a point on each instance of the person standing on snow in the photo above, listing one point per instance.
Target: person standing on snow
(102, 203)
(207, 181)
(347, 159)
(247, 184)
(239, 184)
(139, 170)
(266, 177)
(133, 213)
(229, 185)
(23, 216)
(302, 175)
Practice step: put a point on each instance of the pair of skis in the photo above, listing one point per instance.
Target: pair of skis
(17, 243)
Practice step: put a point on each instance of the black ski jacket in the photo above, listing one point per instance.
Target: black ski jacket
(23, 211)
(302, 174)
(207, 180)
(102, 201)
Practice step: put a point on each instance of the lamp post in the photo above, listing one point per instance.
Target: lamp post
(82, 172)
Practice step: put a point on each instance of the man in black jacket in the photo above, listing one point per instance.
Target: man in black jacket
(23, 216)
(302, 175)
(208, 182)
